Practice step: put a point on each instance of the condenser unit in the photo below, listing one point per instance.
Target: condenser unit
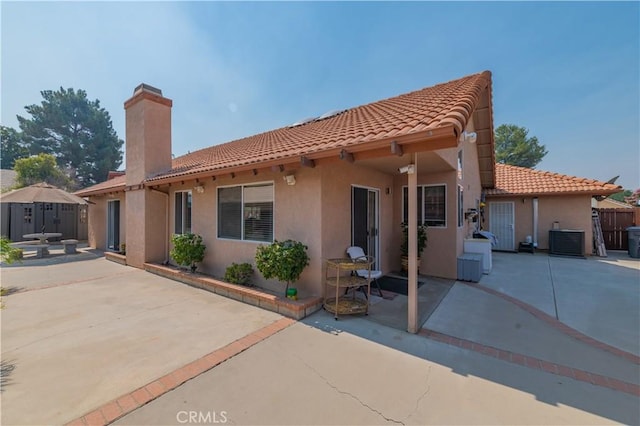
(566, 242)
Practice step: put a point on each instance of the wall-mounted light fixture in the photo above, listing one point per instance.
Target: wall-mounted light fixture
(199, 189)
(408, 169)
(290, 179)
(470, 137)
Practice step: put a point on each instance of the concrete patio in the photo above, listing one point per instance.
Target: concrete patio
(93, 341)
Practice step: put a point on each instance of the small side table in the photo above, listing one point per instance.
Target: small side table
(336, 282)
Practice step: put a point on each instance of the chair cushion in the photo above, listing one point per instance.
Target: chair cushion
(364, 273)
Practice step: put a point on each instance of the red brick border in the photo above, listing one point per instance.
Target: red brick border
(131, 401)
(560, 326)
(534, 363)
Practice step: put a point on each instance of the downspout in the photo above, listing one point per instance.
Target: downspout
(535, 222)
(166, 226)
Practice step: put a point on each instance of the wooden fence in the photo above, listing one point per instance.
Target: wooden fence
(614, 226)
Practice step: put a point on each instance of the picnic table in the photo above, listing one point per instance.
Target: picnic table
(43, 237)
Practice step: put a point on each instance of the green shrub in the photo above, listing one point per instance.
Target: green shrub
(239, 273)
(187, 250)
(283, 260)
(9, 254)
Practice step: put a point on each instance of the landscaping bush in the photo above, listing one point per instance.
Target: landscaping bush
(187, 250)
(9, 254)
(239, 273)
(283, 260)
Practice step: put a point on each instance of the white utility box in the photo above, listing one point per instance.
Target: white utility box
(482, 246)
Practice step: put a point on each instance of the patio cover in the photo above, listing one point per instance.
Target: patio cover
(41, 193)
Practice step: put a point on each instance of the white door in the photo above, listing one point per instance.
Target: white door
(501, 223)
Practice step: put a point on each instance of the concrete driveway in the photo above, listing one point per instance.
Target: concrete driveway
(92, 342)
(79, 334)
(599, 297)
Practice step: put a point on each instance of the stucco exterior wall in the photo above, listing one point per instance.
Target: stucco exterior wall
(472, 193)
(337, 183)
(570, 211)
(134, 219)
(297, 216)
(97, 223)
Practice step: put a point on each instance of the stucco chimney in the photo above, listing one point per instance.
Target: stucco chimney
(148, 133)
(148, 151)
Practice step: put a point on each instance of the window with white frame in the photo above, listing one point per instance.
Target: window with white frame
(432, 205)
(182, 212)
(245, 212)
(460, 205)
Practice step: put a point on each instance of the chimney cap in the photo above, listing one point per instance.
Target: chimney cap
(143, 87)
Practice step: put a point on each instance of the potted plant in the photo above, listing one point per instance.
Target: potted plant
(283, 260)
(404, 247)
(187, 250)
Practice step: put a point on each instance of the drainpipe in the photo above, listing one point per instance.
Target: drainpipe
(166, 226)
(535, 222)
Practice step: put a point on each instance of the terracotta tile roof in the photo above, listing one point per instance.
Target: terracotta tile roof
(446, 104)
(116, 183)
(513, 180)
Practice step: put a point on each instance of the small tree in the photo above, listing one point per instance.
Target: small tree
(422, 239)
(283, 260)
(187, 250)
(40, 168)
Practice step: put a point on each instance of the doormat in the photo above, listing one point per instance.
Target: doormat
(396, 285)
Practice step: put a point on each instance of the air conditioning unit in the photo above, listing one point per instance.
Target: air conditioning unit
(566, 242)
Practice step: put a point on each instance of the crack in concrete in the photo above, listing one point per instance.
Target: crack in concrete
(332, 386)
(421, 397)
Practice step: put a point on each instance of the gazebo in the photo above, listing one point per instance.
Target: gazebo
(42, 208)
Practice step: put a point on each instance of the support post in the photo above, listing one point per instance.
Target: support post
(412, 308)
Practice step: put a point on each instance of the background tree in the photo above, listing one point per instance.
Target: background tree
(77, 131)
(620, 196)
(515, 148)
(11, 147)
(41, 168)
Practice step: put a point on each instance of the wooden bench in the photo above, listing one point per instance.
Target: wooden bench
(41, 249)
(70, 246)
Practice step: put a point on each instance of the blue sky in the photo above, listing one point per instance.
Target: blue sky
(569, 71)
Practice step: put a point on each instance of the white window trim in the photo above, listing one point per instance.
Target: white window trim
(446, 207)
(242, 185)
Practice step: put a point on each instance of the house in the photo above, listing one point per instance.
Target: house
(528, 202)
(329, 182)
(609, 203)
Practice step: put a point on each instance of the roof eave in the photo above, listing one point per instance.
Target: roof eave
(590, 193)
(441, 138)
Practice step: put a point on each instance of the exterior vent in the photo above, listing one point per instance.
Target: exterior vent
(566, 242)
